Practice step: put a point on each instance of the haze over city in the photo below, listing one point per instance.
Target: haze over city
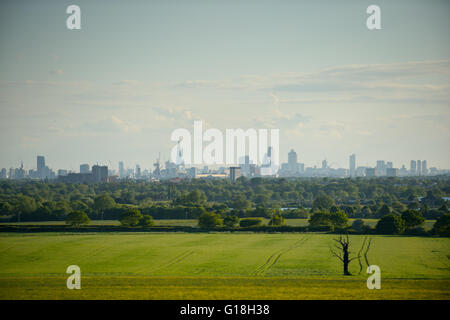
(116, 89)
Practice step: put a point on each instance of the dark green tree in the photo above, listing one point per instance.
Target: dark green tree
(230, 221)
(358, 225)
(250, 222)
(196, 197)
(339, 219)
(442, 225)
(103, 202)
(130, 217)
(320, 218)
(77, 218)
(323, 202)
(209, 220)
(146, 221)
(240, 203)
(384, 211)
(390, 224)
(276, 220)
(412, 218)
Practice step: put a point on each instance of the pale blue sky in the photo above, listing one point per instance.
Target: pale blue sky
(139, 69)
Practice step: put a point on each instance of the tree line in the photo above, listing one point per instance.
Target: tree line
(244, 199)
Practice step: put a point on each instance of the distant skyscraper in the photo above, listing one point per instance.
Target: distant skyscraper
(292, 157)
(292, 161)
(403, 171)
(19, 173)
(389, 165)
(352, 165)
(100, 173)
(121, 170)
(380, 168)
(40, 164)
(419, 167)
(412, 167)
(301, 167)
(138, 172)
(392, 172)
(235, 172)
(62, 173)
(192, 172)
(370, 172)
(324, 164)
(84, 168)
(424, 167)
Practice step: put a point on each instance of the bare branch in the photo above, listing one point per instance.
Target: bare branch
(337, 255)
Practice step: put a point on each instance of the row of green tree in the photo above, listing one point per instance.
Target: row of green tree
(409, 221)
(243, 194)
(25, 208)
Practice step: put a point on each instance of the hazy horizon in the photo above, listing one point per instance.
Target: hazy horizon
(116, 89)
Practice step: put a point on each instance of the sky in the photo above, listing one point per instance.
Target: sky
(137, 70)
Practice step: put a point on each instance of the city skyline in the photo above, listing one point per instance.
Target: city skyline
(244, 167)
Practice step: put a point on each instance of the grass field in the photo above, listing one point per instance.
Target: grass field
(218, 266)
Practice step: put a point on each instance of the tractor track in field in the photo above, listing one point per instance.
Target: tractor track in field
(274, 257)
(93, 252)
(175, 260)
(6, 249)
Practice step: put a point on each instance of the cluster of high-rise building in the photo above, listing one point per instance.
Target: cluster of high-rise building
(382, 168)
(386, 169)
(245, 167)
(43, 172)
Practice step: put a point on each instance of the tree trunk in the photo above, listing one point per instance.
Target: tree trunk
(346, 262)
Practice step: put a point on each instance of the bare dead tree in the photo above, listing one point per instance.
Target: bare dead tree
(343, 254)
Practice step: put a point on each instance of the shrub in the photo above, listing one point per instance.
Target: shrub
(296, 213)
(336, 219)
(209, 220)
(417, 231)
(358, 225)
(258, 212)
(276, 220)
(250, 222)
(320, 219)
(231, 221)
(146, 221)
(367, 229)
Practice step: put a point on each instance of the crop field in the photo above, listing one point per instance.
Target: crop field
(218, 266)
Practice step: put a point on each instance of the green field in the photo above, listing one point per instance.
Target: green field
(218, 266)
